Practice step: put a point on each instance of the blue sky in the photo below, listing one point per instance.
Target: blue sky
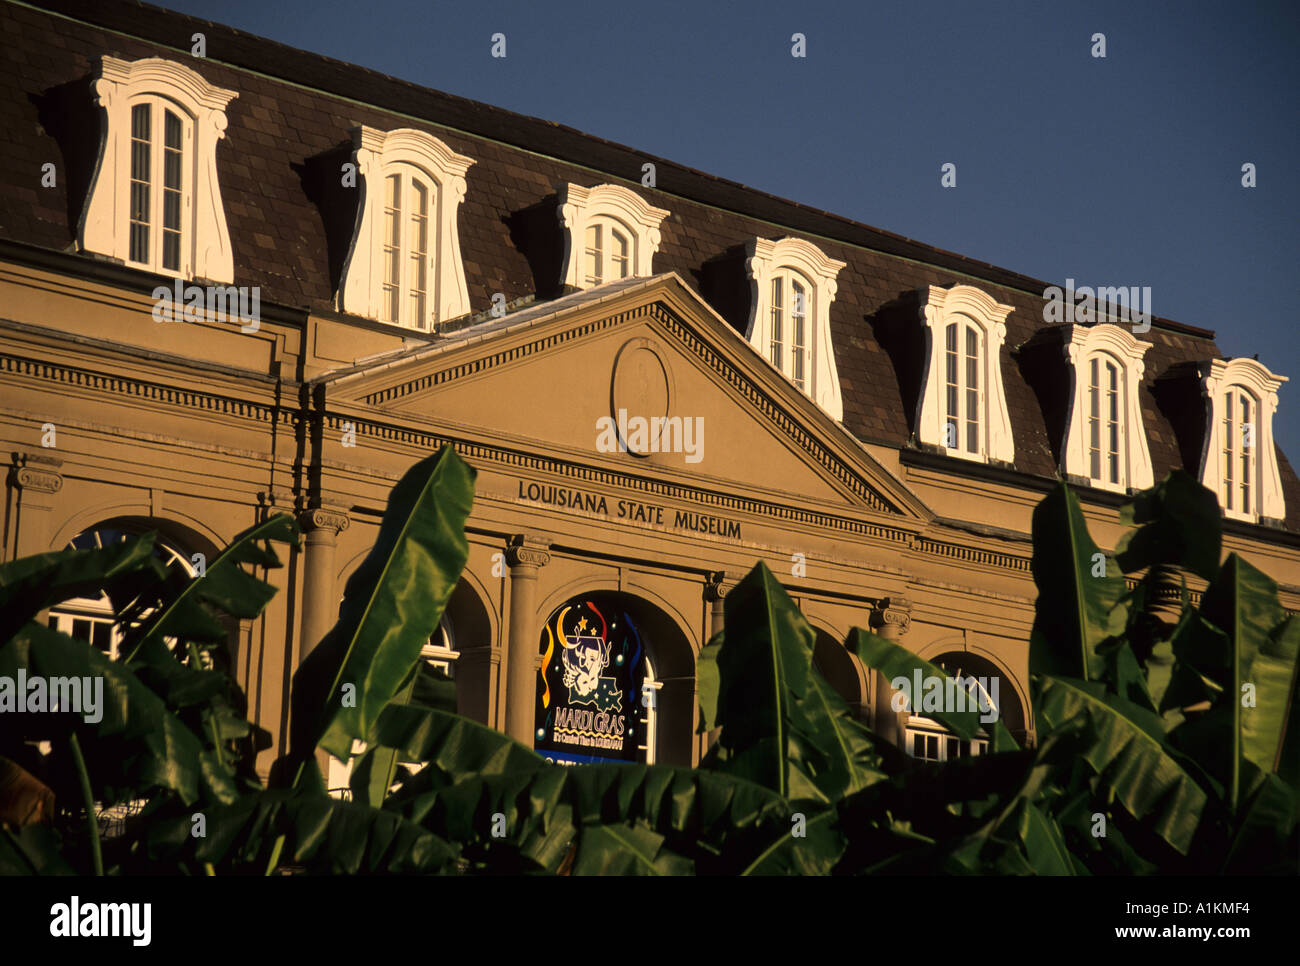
(1117, 171)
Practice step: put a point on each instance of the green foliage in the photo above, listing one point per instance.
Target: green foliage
(1162, 745)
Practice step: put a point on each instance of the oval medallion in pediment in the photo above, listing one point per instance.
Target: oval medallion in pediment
(640, 393)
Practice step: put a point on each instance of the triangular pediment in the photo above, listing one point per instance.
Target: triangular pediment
(643, 364)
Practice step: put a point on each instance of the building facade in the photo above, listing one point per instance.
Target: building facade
(260, 281)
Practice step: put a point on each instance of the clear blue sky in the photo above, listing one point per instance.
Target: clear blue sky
(1122, 171)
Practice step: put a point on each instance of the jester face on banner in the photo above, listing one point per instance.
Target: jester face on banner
(587, 708)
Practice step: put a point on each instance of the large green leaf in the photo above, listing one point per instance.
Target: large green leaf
(1178, 524)
(632, 849)
(1076, 611)
(764, 666)
(136, 734)
(1242, 651)
(391, 607)
(1129, 755)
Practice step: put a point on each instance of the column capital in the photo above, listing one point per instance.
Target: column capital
(36, 473)
(333, 519)
(714, 581)
(527, 550)
(892, 612)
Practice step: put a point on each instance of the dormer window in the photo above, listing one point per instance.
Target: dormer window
(963, 408)
(609, 233)
(1239, 461)
(404, 266)
(155, 202)
(793, 288)
(1105, 439)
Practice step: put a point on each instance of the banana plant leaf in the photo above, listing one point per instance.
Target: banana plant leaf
(764, 667)
(1075, 611)
(1129, 756)
(391, 607)
(136, 733)
(1178, 524)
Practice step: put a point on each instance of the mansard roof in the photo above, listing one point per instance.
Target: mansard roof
(289, 132)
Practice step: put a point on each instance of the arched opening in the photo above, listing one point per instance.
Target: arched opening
(91, 619)
(986, 691)
(616, 683)
(840, 670)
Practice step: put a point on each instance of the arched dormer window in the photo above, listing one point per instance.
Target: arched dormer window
(963, 407)
(1238, 461)
(609, 233)
(1105, 437)
(404, 266)
(790, 325)
(155, 202)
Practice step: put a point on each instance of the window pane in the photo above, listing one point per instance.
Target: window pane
(778, 305)
(392, 249)
(141, 129)
(1247, 455)
(594, 253)
(621, 263)
(953, 390)
(418, 240)
(799, 312)
(1229, 434)
(972, 390)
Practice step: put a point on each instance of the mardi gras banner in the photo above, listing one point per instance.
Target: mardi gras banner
(588, 707)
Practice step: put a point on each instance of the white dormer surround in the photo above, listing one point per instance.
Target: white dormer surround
(1239, 461)
(404, 265)
(963, 407)
(155, 201)
(793, 286)
(1105, 440)
(609, 233)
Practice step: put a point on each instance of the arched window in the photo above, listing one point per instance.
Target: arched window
(610, 233)
(1239, 481)
(983, 690)
(963, 407)
(155, 202)
(1105, 442)
(404, 266)
(410, 200)
(793, 288)
(1239, 461)
(791, 308)
(91, 619)
(608, 251)
(160, 185)
(1104, 392)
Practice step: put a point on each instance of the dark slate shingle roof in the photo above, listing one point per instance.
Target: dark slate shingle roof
(289, 131)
